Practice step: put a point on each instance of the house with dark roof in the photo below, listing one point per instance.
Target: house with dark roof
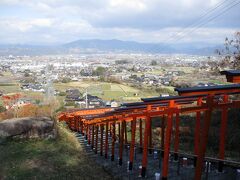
(73, 95)
(93, 101)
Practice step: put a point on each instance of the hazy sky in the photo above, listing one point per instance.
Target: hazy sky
(61, 21)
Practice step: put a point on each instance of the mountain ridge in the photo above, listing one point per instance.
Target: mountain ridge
(109, 45)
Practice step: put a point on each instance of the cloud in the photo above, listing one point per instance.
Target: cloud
(24, 25)
(135, 5)
(59, 21)
(62, 31)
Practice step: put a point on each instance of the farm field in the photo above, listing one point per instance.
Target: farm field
(162, 70)
(9, 87)
(107, 91)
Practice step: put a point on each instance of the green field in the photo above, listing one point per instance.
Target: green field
(15, 88)
(161, 70)
(9, 87)
(107, 91)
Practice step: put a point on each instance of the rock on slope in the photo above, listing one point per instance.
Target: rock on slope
(29, 127)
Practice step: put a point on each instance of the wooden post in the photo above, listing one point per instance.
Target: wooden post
(176, 139)
(110, 129)
(86, 133)
(106, 141)
(133, 127)
(101, 143)
(223, 129)
(204, 138)
(80, 127)
(75, 124)
(119, 131)
(167, 146)
(140, 135)
(167, 142)
(96, 140)
(92, 137)
(197, 132)
(83, 129)
(150, 138)
(125, 129)
(74, 119)
(89, 138)
(113, 139)
(78, 124)
(121, 143)
(162, 135)
(145, 146)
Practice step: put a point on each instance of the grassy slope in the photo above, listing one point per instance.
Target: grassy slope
(63, 158)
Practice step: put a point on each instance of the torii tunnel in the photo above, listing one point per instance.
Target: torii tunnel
(197, 100)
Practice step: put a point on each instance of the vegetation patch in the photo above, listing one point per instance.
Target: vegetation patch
(7, 84)
(62, 158)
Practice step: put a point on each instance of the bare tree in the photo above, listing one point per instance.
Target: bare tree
(230, 53)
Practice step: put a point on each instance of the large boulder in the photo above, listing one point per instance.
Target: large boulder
(29, 127)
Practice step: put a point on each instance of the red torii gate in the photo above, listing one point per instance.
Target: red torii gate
(73, 118)
(232, 75)
(211, 92)
(201, 99)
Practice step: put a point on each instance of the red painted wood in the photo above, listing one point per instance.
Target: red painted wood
(113, 138)
(167, 142)
(89, 141)
(150, 137)
(197, 129)
(106, 141)
(204, 138)
(101, 142)
(121, 143)
(140, 132)
(176, 139)
(133, 128)
(162, 132)
(167, 146)
(125, 132)
(145, 145)
(92, 142)
(96, 139)
(223, 129)
(210, 92)
(119, 130)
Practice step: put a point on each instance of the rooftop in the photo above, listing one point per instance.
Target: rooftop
(231, 72)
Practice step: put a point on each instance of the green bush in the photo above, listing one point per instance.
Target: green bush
(62, 94)
(66, 80)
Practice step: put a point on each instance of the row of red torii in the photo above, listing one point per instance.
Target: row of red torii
(90, 122)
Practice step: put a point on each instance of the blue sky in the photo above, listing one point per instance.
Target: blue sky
(61, 21)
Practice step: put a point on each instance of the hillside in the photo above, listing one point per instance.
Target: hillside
(62, 158)
(105, 46)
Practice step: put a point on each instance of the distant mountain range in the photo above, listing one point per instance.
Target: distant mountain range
(104, 46)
